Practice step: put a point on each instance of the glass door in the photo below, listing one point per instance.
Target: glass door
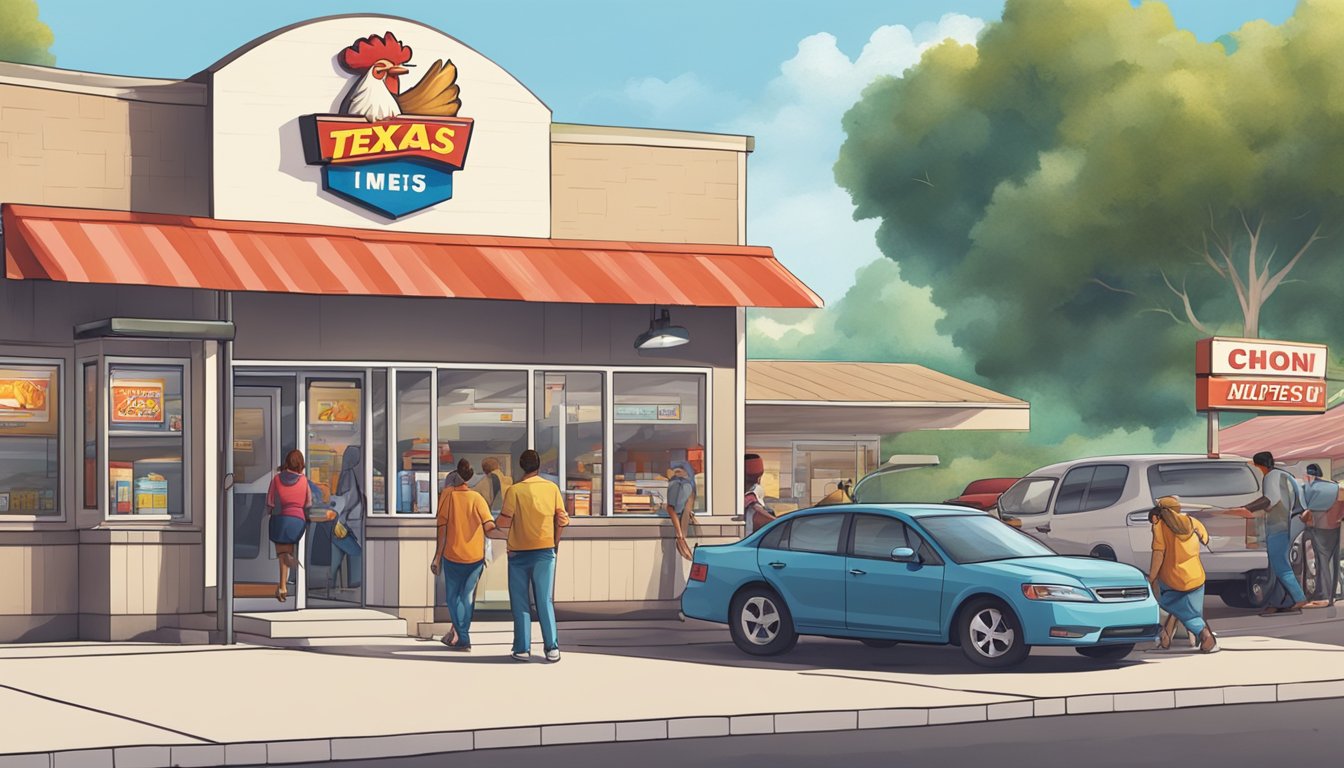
(570, 436)
(334, 433)
(257, 451)
(820, 467)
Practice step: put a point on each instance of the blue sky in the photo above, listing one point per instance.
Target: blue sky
(770, 68)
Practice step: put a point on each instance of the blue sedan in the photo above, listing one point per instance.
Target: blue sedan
(884, 574)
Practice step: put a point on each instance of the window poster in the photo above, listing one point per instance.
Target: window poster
(137, 401)
(27, 395)
(333, 406)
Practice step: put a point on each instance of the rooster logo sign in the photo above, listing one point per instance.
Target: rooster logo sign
(394, 148)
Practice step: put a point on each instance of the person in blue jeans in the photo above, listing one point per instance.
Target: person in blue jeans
(463, 523)
(533, 516)
(1278, 498)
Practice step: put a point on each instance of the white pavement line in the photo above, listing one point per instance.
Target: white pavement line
(745, 725)
(142, 757)
(800, 722)
(641, 730)
(893, 718)
(84, 758)
(404, 745)
(408, 745)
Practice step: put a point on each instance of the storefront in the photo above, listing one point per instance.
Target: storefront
(819, 424)
(202, 275)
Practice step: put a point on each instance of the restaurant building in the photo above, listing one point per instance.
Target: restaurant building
(361, 238)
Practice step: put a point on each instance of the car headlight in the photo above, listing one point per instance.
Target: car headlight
(1056, 592)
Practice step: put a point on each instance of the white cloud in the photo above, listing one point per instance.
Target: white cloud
(793, 202)
(662, 98)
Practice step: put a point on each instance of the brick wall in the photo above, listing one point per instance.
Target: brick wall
(61, 147)
(644, 193)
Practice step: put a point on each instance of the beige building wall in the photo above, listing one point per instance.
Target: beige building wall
(646, 185)
(97, 141)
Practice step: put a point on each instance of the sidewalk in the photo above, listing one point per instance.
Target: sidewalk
(351, 698)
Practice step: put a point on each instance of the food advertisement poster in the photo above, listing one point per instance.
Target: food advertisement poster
(333, 407)
(137, 401)
(26, 400)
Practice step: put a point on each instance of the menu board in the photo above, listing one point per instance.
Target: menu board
(137, 401)
(27, 399)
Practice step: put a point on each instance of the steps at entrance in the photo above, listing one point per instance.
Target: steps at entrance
(320, 622)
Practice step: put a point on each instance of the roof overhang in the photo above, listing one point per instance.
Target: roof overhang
(150, 328)
(835, 398)
(119, 247)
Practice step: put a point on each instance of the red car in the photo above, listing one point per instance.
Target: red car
(983, 494)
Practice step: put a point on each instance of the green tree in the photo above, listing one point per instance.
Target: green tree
(1090, 189)
(23, 37)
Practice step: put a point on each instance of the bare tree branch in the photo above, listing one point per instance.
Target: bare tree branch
(1162, 311)
(1100, 282)
(1184, 296)
(1208, 259)
(1277, 280)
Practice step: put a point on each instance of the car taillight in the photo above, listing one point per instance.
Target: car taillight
(699, 572)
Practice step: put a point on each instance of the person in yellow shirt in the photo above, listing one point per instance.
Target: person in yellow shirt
(533, 515)
(1176, 573)
(463, 521)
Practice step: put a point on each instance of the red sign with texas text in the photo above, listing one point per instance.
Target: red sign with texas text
(1259, 394)
(354, 140)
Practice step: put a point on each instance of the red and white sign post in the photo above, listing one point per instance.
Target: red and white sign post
(1257, 376)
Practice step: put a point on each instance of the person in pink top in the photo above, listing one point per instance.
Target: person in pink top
(289, 502)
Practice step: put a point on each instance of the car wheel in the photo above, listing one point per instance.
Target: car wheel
(872, 642)
(991, 636)
(1106, 652)
(760, 623)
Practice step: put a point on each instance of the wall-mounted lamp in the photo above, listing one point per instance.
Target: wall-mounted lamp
(662, 334)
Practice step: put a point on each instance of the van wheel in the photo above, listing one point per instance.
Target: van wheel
(1103, 552)
(1251, 592)
(760, 623)
(991, 636)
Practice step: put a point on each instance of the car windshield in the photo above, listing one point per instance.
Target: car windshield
(977, 539)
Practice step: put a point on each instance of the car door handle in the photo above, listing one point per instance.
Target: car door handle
(1137, 518)
(1043, 528)
(857, 572)
(777, 565)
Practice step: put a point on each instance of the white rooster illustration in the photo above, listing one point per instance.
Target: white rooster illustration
(377, 95)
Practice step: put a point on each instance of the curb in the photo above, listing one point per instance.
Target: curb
(417, 744)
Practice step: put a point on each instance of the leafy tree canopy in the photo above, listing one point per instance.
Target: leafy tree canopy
(23, 37)
(1090, 189)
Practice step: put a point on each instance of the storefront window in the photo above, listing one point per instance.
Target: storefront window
(570, 432)
(90, 436)
(482, 415)
(413, 395)
(29, 439)
(658, 421)
(145, 448)
(378, 392)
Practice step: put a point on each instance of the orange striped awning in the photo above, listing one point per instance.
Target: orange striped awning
(95, 246)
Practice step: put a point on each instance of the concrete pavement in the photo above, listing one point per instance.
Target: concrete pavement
(351, 698)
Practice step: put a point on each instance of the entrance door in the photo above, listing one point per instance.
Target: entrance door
(257, 447)
(820, 467)
(333, 419)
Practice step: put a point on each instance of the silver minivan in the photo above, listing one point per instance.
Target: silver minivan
(1099, 507)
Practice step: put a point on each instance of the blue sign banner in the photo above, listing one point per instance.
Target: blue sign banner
(393, 188)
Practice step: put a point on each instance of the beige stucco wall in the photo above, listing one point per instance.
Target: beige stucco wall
(643, 193)
(80, 145)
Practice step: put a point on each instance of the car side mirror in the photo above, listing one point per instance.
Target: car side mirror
(903, 555)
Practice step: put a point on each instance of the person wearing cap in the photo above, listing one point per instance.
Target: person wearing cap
(1278, 500)
(754, 511)
(1323, 528)
(1176, 573)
